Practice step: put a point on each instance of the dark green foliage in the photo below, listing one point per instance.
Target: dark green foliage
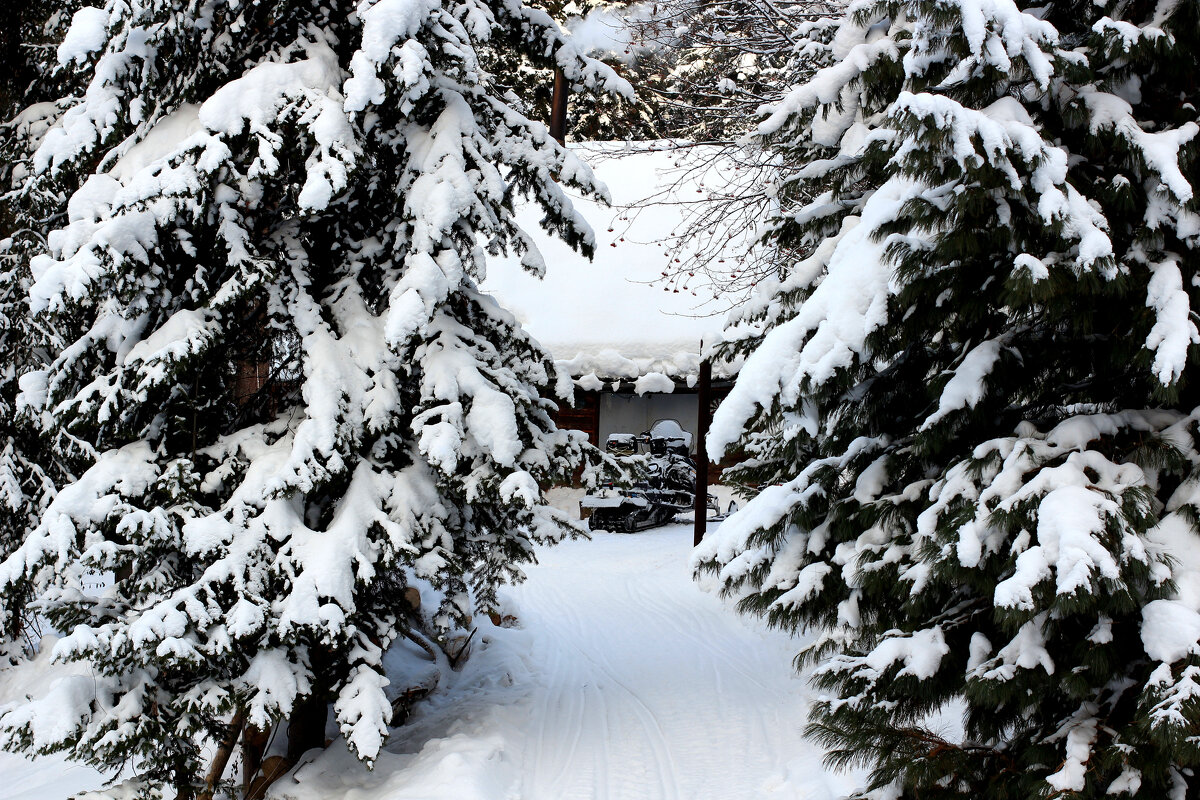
(975, 397)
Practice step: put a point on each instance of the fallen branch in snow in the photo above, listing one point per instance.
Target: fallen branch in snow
(422, 642)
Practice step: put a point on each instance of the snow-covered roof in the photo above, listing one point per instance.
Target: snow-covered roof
(616, 318)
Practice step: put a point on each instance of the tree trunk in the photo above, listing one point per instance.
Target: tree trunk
(273, 769)
(184, 788)
(305, 727)
(217, 769)
(558, 107)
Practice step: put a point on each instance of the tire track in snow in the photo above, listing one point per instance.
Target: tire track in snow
(651, 689)
(572, 673)
(725, 663)
(666, 768)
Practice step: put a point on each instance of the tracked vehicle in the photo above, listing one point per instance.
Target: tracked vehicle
(669, 487)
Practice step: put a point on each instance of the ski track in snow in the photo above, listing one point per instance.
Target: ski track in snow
(623, 681)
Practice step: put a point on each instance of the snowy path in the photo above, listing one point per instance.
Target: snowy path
(623, 681)
(652, 689)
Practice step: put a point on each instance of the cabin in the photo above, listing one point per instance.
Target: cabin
(624, 326)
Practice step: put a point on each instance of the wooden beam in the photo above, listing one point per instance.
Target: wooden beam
(704, 401)
(558, 107)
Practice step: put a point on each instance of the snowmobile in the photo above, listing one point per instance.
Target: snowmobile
(669, 487)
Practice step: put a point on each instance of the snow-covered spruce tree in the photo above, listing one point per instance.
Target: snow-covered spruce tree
(25, 482)
(287, 403)
(976, 400)
(25, 485)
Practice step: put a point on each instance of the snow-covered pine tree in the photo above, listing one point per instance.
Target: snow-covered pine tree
(25, 482)
(25, 485)
(287, 403)
(975, 406)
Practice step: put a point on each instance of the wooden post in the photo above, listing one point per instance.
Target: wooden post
(704, 400)
(558, 107)
(254, 746)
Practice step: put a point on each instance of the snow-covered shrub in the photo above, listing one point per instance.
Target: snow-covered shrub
(286, 405)
(971, 407)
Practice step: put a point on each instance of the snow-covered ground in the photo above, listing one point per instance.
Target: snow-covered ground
(621, 681)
